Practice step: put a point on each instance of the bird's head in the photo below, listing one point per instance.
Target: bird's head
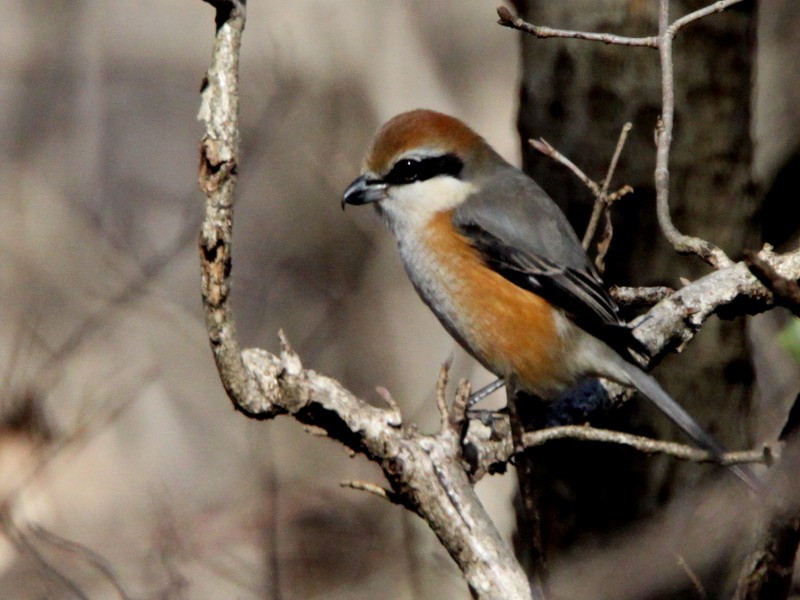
(421, 163)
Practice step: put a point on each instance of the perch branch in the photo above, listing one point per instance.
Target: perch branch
(730, 291)
(643, 444)
(500, 448)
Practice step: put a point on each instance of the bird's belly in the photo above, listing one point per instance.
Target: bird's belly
(511, 331)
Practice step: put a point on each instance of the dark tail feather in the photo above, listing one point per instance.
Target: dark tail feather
(648, 386)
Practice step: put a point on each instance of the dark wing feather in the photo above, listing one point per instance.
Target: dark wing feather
(524, 236)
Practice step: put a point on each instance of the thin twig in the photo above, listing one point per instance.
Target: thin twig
(543, 146)
(716, 7)
(604, 243)
(623, 191)
(458, 413)
(507, 19)
(684, 244)
(375, 490)
(644, 444)
(591, 228)
(623, 137)
(602, 199)
(387, 397)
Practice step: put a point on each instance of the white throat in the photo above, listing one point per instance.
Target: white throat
(409, 208)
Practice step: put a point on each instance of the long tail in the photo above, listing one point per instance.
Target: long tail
(648, 386)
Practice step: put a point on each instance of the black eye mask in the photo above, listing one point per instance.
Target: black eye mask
(409, 170)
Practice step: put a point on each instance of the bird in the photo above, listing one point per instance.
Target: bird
(498, 263)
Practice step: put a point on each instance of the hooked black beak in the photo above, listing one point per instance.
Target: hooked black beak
(364, 191)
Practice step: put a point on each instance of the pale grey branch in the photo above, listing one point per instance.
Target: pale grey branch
(425, 472)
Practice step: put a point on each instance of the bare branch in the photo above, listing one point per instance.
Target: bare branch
(425, 472)
(716, 7)
(683, 244)
(675, 320)
(507, 19)
(500, 448)
(219, 155)
(639, 296)
(642, 444)
(623, 137)
(603, 200)
(547, 149)
(786, 291)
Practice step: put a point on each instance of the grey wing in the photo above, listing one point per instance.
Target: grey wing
(524, 236)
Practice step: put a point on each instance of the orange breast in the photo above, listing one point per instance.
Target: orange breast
(512, 331)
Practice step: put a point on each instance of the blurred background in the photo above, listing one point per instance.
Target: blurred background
(124, 471)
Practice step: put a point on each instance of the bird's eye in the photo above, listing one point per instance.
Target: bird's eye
(404, 171)
(409, 170)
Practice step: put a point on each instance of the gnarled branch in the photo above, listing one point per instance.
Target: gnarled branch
(425, 472)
